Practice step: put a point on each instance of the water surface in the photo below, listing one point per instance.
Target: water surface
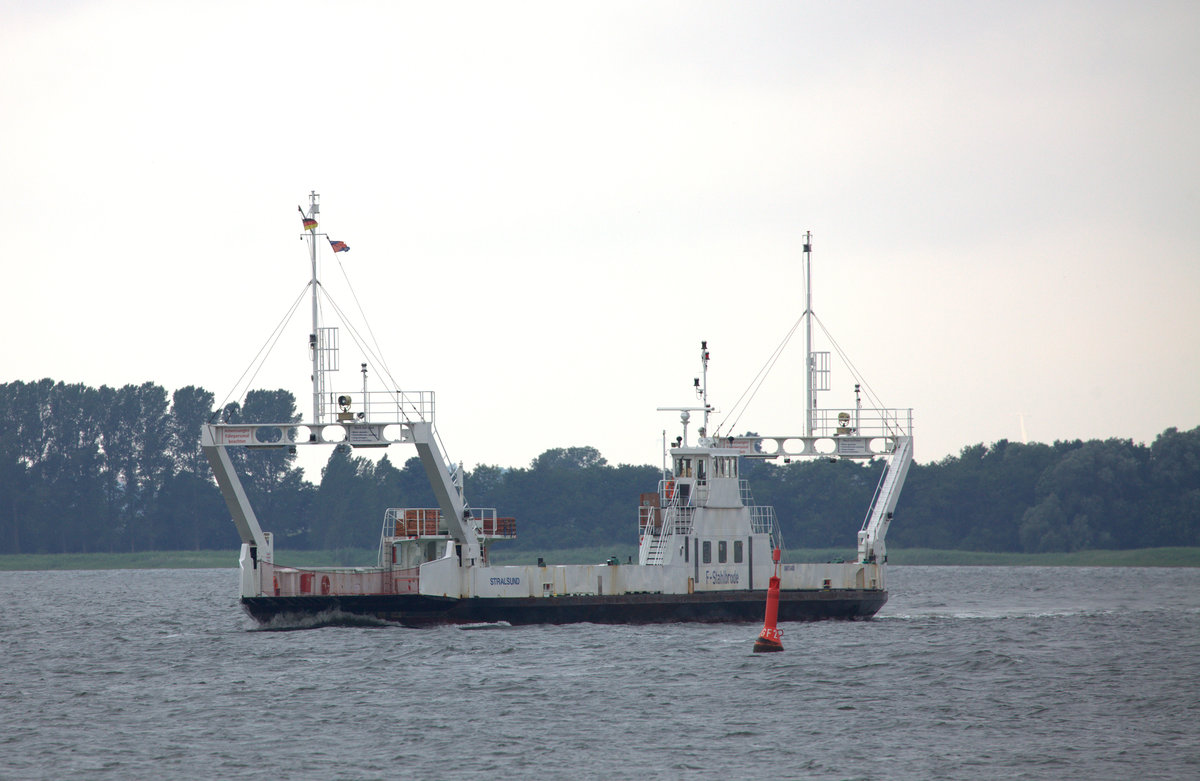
(968, 672)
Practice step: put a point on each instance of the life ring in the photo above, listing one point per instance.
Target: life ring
(670, 489)
(275, 583)
(324, 585)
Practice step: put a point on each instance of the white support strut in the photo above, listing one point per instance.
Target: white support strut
(871, 546)
(449, 499)
(232, 489)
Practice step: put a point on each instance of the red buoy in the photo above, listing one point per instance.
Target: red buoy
(771, 639)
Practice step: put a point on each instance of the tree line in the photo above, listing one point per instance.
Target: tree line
(87, 469)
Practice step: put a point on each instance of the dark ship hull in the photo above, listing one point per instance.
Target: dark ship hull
(705, 607)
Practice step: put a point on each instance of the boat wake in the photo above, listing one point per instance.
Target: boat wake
(997, 614)
(291, 622)
(485, 625)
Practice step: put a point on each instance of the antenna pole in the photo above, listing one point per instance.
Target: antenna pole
(366, 398)
(810, 400)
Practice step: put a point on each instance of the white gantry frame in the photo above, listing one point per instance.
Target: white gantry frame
(216, 438)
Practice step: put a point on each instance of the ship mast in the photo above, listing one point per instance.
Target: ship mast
(810, 393)
(314, 208)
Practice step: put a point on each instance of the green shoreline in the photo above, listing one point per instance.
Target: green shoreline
(1141, 557)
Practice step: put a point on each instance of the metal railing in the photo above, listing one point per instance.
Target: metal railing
(867, 422)
(493, 526)
(673, 519)
(649, 518)
(384, 406)
(679, 520)
(762, 516)
(413, 522)
(428, 522)
(279, 581)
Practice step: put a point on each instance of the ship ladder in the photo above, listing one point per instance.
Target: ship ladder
(659, 539)
(654, 555)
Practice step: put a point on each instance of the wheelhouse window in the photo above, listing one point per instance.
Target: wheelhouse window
(724, 466)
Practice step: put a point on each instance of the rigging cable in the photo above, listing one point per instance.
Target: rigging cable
(396, 395)
(376, 354)
(261, 357)
(755, 384)
(382, 362)
(872, 397)
(758, 380)
(357, 336)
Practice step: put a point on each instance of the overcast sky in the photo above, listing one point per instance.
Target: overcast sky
(551, 204)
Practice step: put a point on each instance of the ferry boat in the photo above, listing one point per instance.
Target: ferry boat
(705, 548)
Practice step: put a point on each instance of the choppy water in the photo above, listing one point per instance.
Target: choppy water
(981, 673)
